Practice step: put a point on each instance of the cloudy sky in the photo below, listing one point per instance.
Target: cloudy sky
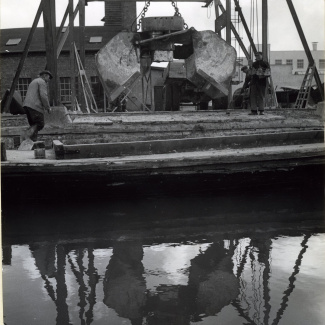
(282, 32)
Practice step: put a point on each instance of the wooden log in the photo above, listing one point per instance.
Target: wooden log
(101, 150)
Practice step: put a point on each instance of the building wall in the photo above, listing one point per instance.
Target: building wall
(33, 65)
(284, 75)
(298, 55)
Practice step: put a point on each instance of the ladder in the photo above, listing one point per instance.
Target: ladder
(86, 88)
(304, 92)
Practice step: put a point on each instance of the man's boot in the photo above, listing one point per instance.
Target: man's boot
(30, 133)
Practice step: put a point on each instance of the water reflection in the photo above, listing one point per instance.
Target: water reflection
(235, 272)
(127, 269)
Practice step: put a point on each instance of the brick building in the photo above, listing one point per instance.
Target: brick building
(118, 16)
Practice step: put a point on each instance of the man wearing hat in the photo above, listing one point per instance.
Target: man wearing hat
(35, 103)
(260, 68)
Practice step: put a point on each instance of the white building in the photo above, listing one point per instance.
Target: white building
(288, 68)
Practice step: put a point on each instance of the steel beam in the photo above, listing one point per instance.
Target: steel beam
(248, 33)
(239, 40)
(305, 45)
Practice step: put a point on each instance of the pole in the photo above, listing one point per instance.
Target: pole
(50, 45)
(264, 29)
(248, 33)
(72, 55)
(216, 7)
(228, 40)
(233, 29)
(82, 31)
(82, 43)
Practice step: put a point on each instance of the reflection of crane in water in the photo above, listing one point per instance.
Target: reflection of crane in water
(52, 262)
(46, 257)
(264, 259)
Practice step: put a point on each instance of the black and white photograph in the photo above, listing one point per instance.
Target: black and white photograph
(162, 162)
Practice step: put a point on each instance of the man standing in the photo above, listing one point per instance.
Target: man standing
(260, 71)
(35, 103)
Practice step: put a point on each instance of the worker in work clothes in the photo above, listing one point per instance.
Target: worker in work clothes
(245, 91)
(35, 104)
(260, 72)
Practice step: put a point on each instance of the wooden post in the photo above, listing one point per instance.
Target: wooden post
(243, 20)
(62, 37)
(72, 55)
(82, 43)
(216, 7)
(65, 16)
(50, 45)
(264, 30)
(82, 31)
(228, 40)
(23, 57)
(239, 40)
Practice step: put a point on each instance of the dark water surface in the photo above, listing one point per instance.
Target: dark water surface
(254, 257)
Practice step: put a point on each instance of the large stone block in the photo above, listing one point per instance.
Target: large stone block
(58, 117)
(212, 65)
(117, 64)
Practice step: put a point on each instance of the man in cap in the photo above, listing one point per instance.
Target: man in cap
(35, 104)
(258, 84)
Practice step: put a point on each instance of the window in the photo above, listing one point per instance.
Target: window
(65, 89)
(22, 86)
(278, 62)
(300, 64)
(321, 64)
(95, 39)
(13, 41)
(289, 62)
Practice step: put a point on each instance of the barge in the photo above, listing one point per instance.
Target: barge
(110, 154)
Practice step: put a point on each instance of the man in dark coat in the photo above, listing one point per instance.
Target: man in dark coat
(260, 72)
(35, 104)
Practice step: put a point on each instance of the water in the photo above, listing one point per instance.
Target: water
(241, 258)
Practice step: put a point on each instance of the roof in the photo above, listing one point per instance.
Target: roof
(38, 42)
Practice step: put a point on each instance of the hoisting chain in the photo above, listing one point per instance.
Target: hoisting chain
(177, 13)
(143, 13)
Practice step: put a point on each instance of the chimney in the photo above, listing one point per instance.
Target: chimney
(120, 15)
(315, 46)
